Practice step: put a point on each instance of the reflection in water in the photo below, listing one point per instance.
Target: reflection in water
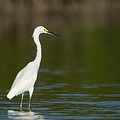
(18, 115)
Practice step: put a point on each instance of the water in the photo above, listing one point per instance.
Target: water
(79, 76)
(57, 99)
(63, 101)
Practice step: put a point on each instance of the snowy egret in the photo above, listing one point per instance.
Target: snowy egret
(26, 78)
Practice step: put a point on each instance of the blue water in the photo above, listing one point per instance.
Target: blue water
(61, 100)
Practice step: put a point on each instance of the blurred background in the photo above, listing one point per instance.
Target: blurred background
(84, 61)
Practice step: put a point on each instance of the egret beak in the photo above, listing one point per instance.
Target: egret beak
(52, 33)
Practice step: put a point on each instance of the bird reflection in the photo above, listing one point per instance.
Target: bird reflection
(22, 115)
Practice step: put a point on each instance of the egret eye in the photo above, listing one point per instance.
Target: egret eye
(45, 30)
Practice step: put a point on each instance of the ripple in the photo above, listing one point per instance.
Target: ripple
(82, 117)
(47, 87)
(103, 103)
(75, 95)
(55, 72)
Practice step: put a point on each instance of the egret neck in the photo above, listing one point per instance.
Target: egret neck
(38, 54)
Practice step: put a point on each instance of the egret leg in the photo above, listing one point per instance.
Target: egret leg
(30, 94)
(29, 103)
(21, 102)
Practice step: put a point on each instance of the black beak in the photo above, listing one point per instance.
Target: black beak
(52, 33)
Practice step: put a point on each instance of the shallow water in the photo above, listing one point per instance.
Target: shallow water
(57, 99)
(79, 76)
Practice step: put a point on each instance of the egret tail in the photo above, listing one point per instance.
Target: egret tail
(10, 95)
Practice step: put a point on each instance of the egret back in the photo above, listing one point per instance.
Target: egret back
(24, 80)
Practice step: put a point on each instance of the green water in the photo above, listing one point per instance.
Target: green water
(79, 75)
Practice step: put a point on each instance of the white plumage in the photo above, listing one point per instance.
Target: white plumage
(24, 81)
(26, 78)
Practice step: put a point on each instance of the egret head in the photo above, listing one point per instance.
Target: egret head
(40, 29)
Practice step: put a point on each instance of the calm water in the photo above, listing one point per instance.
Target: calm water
(79, 76)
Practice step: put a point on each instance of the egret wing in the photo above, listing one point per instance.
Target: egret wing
(28, 73)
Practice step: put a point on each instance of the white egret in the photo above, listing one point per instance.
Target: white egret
(26, 78)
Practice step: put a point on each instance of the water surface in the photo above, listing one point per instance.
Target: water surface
(79, 76)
